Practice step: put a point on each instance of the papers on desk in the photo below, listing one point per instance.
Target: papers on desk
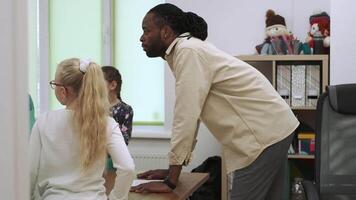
(140, 181)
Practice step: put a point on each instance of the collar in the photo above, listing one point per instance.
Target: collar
(175, 41)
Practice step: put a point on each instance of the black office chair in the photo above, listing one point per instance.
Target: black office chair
(335, 171)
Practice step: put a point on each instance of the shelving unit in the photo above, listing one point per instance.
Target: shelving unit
(267, 65)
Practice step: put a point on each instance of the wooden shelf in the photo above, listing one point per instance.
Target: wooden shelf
(300, 156)
(267, 64)
(303, 108)
(283, 57)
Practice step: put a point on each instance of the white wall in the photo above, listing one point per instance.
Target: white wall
(343, 42)
(237, 26)
(14, 180)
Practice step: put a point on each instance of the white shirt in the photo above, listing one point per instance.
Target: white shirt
(235, 101)
(55, 162)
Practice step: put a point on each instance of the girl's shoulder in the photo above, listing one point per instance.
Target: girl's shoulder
(125, 106)
(112, 126)
(121, 107)
(111, 123)
(51, 122)
(53, 115)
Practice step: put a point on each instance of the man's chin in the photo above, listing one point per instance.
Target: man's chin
(151, 55)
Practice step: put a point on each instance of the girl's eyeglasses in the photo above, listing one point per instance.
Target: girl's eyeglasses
(53, 84)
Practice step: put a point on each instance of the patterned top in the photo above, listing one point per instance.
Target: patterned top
(123, 114)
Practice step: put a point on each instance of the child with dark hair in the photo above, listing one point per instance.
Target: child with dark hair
(120, 111)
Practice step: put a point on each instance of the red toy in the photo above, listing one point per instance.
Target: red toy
(319, 35)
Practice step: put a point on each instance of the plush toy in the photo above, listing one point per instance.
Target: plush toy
(277, 35)
(319, 35)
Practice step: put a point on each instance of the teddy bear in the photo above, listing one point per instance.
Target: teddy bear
(319, 35)
(277, 35)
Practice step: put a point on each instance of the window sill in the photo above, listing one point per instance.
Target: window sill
(158, 132)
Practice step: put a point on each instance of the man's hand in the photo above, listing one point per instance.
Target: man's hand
(158, 186)
(154, 174)
(155, 186)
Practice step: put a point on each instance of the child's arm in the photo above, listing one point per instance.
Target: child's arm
(123, 162)
(126, 126)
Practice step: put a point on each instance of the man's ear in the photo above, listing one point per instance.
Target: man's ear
(166, 32)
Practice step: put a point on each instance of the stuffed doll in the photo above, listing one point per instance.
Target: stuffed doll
(277, 36)
(319, 35)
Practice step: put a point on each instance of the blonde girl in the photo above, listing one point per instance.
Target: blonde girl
(68, 146)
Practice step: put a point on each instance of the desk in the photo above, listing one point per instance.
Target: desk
(187, 184)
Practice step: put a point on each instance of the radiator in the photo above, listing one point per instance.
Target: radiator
(150, 161)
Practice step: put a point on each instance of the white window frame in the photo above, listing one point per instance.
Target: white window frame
(139, 131)
(43, 52)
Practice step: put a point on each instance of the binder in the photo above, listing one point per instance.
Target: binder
(298, 86)
(312, 85)
(283, 82)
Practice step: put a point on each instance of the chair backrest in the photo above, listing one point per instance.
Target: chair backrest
(211, 189)
(336, 143)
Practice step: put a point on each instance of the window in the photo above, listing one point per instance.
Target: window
(66, 29)
(33, 70)
(143, 77)
(74, 31)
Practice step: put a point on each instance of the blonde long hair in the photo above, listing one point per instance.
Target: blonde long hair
(91, 108)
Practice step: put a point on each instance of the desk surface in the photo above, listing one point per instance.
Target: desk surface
(187, 184)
